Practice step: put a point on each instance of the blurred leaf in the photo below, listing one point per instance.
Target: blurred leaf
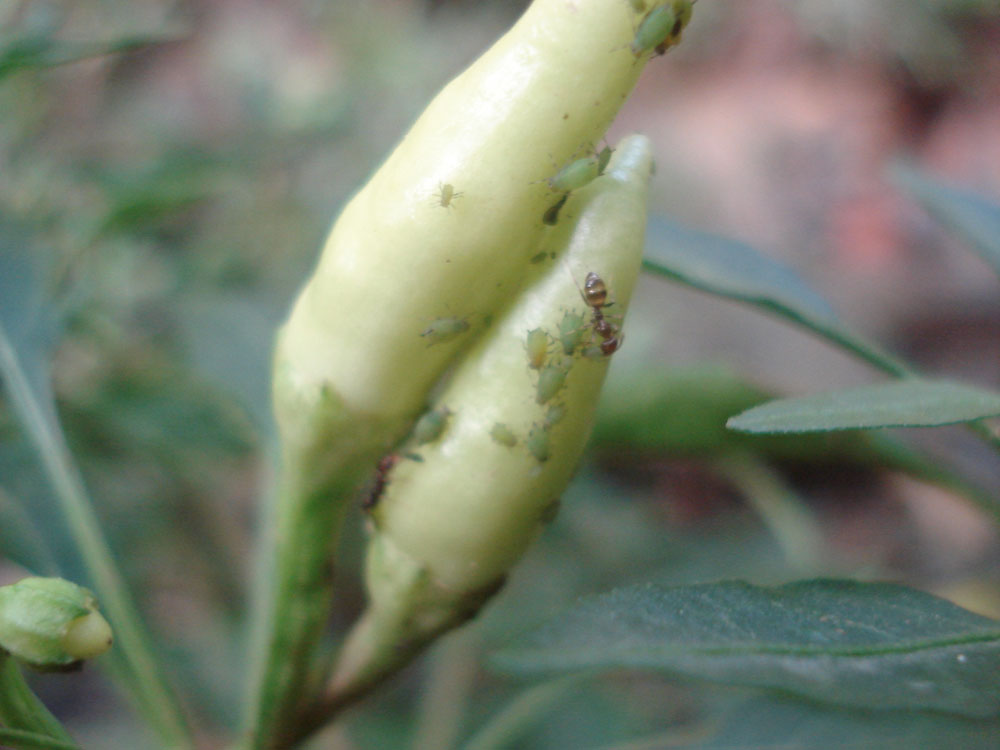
(971, 215)
(868, 645)
(734, 270)
(39, 51)
(25, 376)
(681, 413)
(23, 740)
(229, 338)
(904, 403)
(508, 726)
(781, 724)
(20, 540)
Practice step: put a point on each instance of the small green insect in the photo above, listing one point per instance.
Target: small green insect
(502, 434)
(551, 379)
(445, 329)
(430, 426)
(538, 444)
(639, 6)
(538, 257)
(446, 194)
(537, 345)
(656, 27)
(554, 416)
(551, 215)
(603, 157)
(571, 331)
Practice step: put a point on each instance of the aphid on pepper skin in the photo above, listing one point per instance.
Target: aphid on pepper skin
(576, 174)
(445, 329)
(385, 465)
(446, 194)
(551, 379)
(537, 345)
(603, 158)
(571, 330)
(683, 10)
(554, 415)
(502, 434)
(538, 444)
(654, 29)
(430, 426)
(551, 215)
(639, 6)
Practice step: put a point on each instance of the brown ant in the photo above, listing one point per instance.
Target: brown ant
(385, 465)
(595, 294)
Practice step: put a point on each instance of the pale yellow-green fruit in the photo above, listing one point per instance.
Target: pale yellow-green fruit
(397, 263)
(450, 525)
(51, 623)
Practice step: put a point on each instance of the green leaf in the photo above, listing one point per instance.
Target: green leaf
(904, 403)
(40, 51)
(23, 740)
(734, 270)
(974, 217)
(877, 646)
(778, 724)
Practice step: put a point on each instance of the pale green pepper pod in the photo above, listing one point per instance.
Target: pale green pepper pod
(449, 527)
(51, 624)
(420, 263)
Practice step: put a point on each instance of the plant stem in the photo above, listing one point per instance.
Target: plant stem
(20, 709)
(140, 668)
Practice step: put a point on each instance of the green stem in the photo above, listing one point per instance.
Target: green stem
(792, 524)
(146, 681)
(20, 709)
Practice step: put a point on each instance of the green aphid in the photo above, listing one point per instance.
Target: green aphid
(551, 215)
(430, 426)
(502, 434)
(639, 6)
(603, 158)
(594, 352)
(657, 27)
(572, 329)
(445, 329)
(554, 415)
(539, 257)
(551, 379)
(537, 345)
(576, 174)
(538, 444)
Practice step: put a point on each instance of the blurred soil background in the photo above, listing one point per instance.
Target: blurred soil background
(180, 189)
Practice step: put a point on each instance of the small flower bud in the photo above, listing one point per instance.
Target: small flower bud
(51, 624)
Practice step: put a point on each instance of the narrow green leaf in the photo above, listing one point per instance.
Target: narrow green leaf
(39, 51)
(903, 403)
(733, 269)
(877, 646)
(974, 217)
(783, 724)
(22, 740)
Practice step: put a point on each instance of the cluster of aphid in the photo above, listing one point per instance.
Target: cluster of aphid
(659, 29)
(553, 370)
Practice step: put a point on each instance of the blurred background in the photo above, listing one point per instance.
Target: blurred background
(177, 164)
